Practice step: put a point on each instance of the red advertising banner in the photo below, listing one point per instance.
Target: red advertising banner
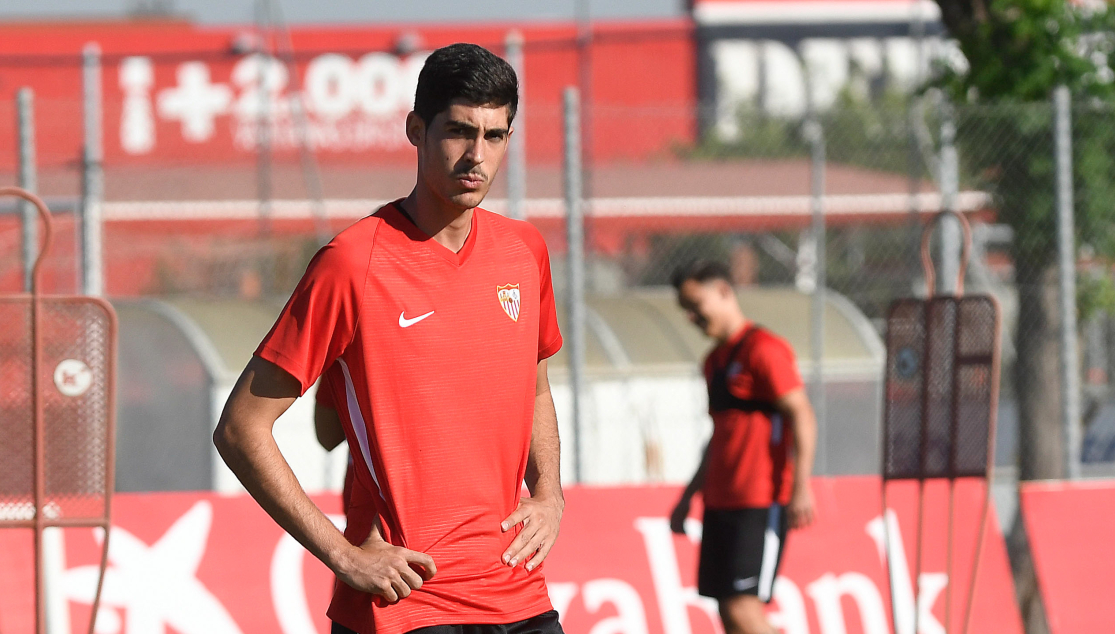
(179, 93)
(1069, 525)
(195, 563)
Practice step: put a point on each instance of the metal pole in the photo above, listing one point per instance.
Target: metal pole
(517, 150)
(92, 190)
(264, 27)
(575, 237)
(816, 136)
(1066, 252)
(28, 179)
(311, 175)
(950, 228)
(586, 100)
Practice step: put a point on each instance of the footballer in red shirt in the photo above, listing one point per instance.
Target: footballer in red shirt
(754, 475)
(433, 320)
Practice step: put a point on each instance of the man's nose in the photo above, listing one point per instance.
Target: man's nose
(475, 151)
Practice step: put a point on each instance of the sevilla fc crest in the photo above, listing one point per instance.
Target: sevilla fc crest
(509, 299)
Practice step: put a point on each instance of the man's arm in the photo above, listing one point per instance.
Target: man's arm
(681, 510)
(244, 439)
(795, 408)
(540, 514)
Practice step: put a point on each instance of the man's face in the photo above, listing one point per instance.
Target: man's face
(709, 306)
(460, 151)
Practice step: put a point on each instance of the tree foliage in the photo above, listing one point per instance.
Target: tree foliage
(1017, 52)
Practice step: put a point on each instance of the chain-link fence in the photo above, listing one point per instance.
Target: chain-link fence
(211, 240)
(58, 178)
(744, 195)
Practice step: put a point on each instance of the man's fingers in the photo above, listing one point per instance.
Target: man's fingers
(389, 595)
(517, 516)
(423, 560)
(514, 553)
(410, 577)
(540, 556)
(801, 517)
(528, 548)
(400, 586)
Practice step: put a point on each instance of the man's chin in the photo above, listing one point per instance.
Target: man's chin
(468, 200)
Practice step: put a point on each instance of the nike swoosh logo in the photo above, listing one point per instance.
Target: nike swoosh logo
(744, 584)
(407, 323)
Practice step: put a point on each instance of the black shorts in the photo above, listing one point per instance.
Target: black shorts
(740, 551)
(545, 623)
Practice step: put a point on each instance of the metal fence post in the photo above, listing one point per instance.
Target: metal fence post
(816, 136)
(575, 237)
(28, 179)
(949, 182)
(1066, 256)
(517, 149)
(586, 100)
(92, 182)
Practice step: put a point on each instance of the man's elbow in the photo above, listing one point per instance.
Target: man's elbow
(804, 418)
(222, 438)
(227, 439)
(805, 425)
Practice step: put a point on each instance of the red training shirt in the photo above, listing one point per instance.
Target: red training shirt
(432, 357)
(750, 458)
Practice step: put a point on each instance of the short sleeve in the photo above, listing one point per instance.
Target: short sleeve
(319, 320)
(549, 336)
(774, 369)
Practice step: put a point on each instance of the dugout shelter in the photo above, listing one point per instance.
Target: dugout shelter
(646, 401)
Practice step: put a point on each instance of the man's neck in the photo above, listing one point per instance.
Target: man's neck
(734, 328)
(446, 224)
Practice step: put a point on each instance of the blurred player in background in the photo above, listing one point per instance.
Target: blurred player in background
(754, 474)
(433, 319)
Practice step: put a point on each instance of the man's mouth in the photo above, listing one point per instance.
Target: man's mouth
(472, 181)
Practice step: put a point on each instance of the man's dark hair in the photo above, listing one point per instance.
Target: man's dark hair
(468, 73)
(701, 271)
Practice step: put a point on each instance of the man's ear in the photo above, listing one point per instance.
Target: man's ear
(725, 288)
(416, 129)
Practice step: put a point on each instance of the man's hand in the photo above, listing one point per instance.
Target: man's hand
(678, 517)
(383, 569)
(540, 518)
(801, 506)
